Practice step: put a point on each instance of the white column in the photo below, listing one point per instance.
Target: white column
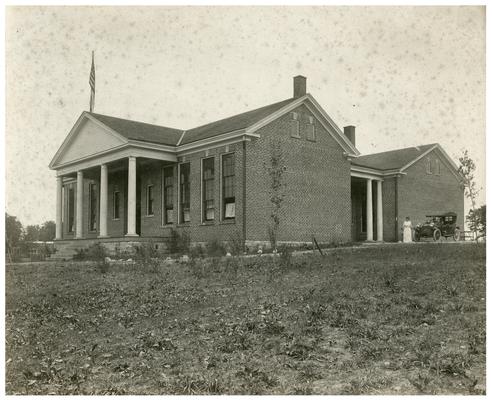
(369, 210)
(103, 202)
(59, 207)
(132, 196)
(80, 208)
(380, 211)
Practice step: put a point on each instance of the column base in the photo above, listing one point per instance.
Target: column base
(131, 235)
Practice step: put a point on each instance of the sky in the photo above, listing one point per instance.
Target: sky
(404, 76)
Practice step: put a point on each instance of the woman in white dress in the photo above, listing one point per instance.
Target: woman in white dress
(407, 230)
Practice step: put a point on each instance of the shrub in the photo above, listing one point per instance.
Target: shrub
(286, 255)
(124, 254)
(214, 248)
(236, 243)
(95, 252)
(147, 255)
(197, 252)
(178, 243)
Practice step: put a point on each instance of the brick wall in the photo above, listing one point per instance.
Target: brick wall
(317, 178)
(117, 181)
(199, 231)
(389, 185)
(420, 193)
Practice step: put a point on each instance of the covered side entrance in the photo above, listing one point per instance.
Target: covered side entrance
(367, 207)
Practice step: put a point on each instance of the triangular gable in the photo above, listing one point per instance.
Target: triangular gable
(87, 138)
(321, 116)
(450, 163)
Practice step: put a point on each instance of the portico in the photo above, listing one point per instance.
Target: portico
(92, 158)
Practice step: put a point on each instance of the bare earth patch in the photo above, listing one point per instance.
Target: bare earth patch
(406, 319)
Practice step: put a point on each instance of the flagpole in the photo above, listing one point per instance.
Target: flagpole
(92, 84)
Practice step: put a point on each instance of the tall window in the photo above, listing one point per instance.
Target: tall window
(92, 207)
(228, 192)
(168, 195)
(294, 125)
(116, 204)
(71, 208)
(150, 200)
(184, 192)
(208, 189)
(311, 133)
(438, 167)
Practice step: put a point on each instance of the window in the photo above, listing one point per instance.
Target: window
(116, 204)
(438, 167)
(184, 192)
(168, 195)
(294, 125)
(429, 166)
(311, 133)
(71, 209)
(92, 207)
(150, 200)
(228, 196)
(208, 189)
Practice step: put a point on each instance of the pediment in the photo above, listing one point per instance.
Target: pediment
(320, 115)
(87, 138)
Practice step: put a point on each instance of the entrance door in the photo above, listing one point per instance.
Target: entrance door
(354, 219)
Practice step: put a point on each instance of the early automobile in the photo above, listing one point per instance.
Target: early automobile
(438, 225)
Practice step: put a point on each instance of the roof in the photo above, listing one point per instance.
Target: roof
(170, 136)
(394, 159)
(234, 123)
(141, 131)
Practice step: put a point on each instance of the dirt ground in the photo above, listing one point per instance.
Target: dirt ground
(402, 319)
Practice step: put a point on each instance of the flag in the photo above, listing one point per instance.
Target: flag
(92, 83)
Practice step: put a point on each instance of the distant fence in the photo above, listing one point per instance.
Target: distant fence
(468, 235)
(30, 251)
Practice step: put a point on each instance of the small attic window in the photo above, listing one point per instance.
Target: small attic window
(429, 166)
(311, 129)
(294, 125)
(438, 167)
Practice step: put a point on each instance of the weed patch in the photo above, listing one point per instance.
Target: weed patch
(392, 320)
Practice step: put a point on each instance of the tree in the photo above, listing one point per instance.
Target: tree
(32, 233)
(466, 170)
(276, 169)
(13, 231)
(47, 231)
(477, 220)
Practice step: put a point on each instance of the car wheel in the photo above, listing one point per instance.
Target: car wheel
(456, 235)
(437, 235)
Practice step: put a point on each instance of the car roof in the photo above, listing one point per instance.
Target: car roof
(453, 214)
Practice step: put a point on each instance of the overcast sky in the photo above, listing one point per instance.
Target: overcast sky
(404, 76)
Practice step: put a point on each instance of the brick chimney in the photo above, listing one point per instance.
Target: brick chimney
(299, 86)
(350, 133)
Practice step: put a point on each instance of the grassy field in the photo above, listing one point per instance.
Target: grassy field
(403, 319)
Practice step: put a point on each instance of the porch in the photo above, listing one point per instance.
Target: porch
(105, 201)
(367, 207)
